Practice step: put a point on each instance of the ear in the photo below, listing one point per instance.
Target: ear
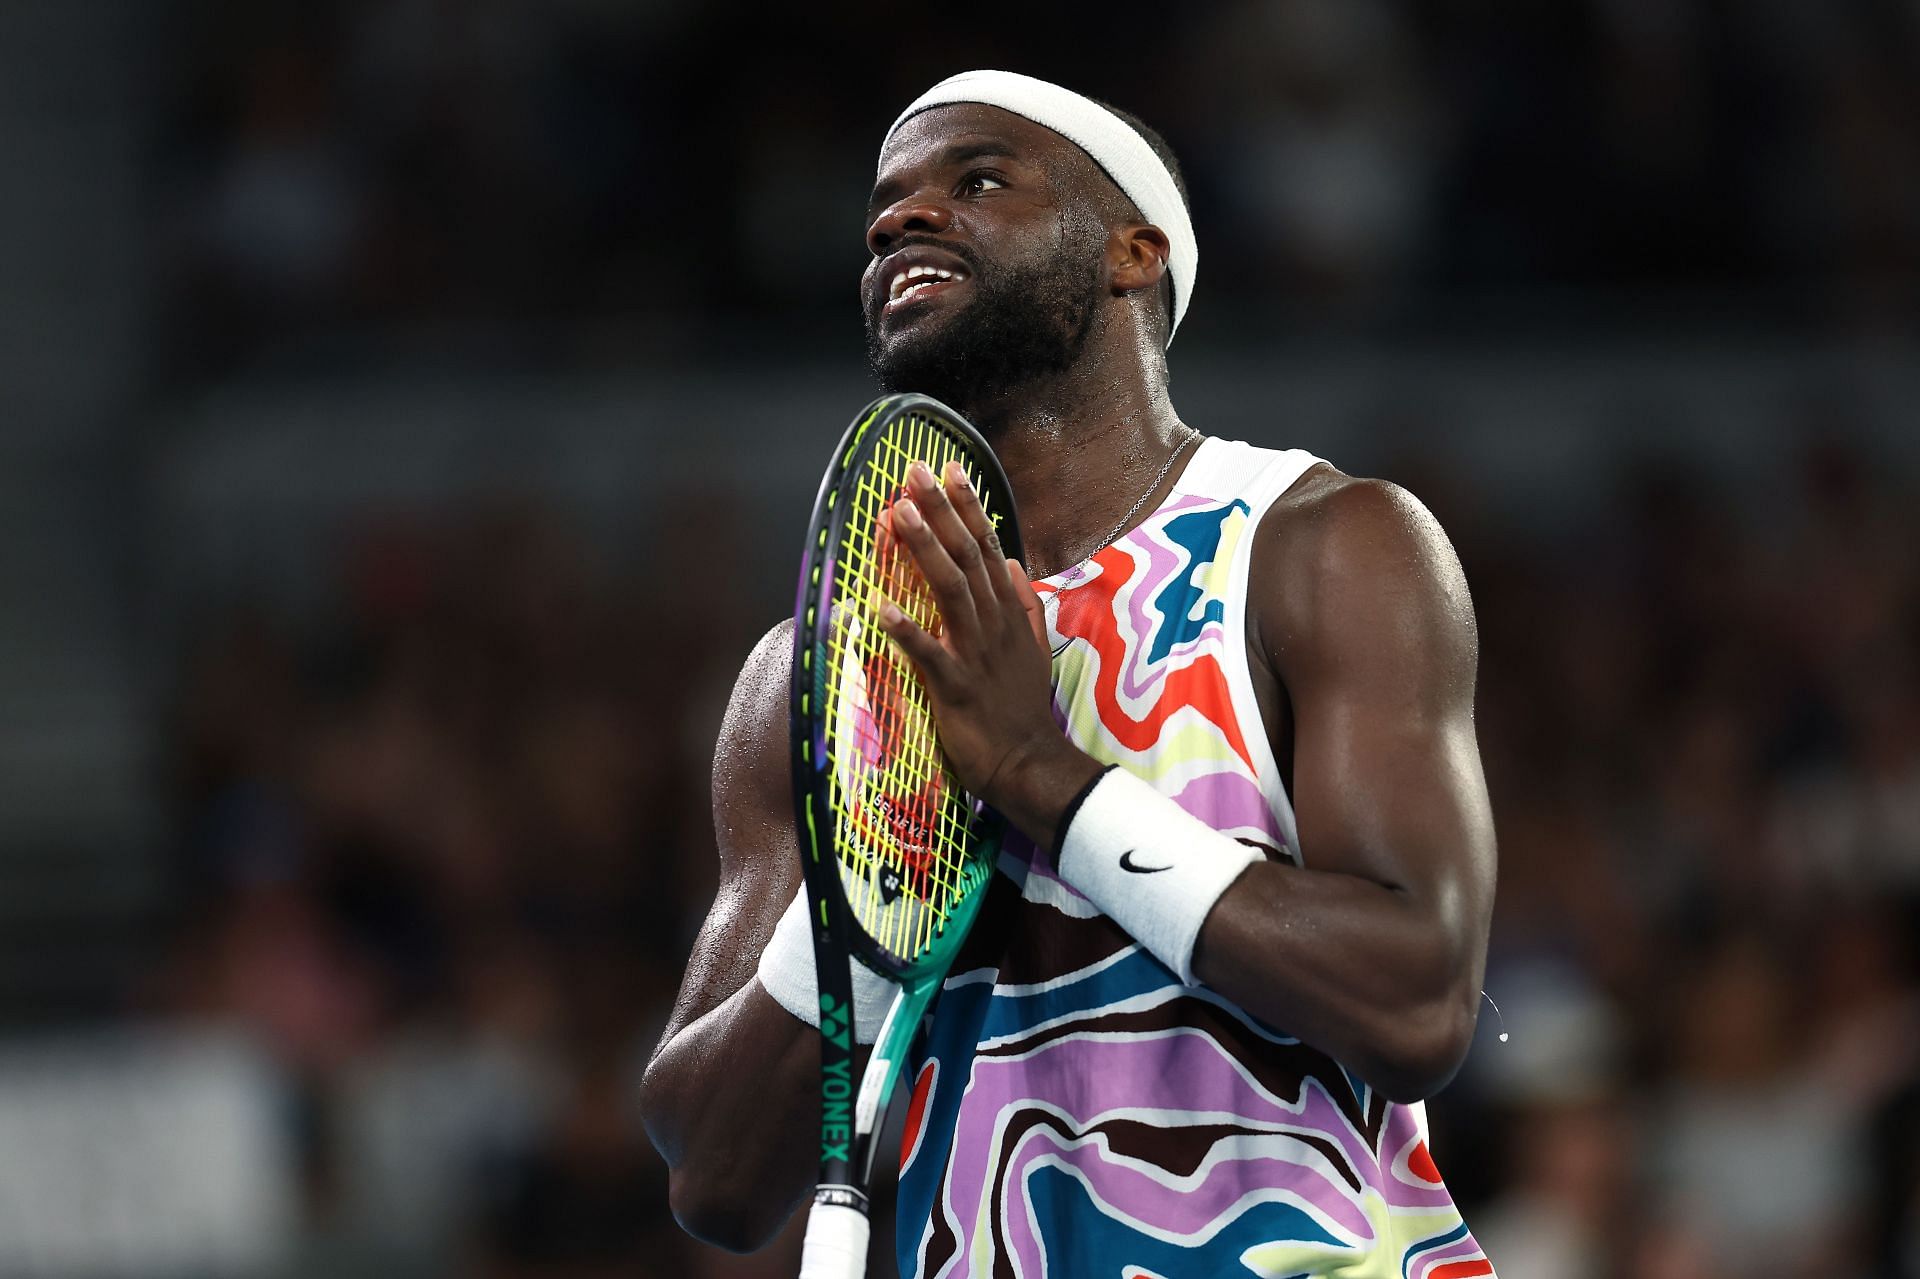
(1137, 256)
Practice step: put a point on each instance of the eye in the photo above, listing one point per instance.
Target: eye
(980, 181)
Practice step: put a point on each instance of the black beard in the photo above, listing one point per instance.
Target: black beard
(1020, 325)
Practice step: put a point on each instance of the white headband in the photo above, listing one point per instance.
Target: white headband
(1104, 136)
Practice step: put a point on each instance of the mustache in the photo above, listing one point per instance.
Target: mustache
(961, 251)
(964, 252)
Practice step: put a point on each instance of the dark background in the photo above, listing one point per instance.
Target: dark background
(411, 410)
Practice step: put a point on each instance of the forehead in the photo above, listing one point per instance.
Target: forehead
(965, 127)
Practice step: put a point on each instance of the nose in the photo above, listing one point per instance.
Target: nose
(911, 213)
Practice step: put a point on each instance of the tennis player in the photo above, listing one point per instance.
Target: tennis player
(1227, 706)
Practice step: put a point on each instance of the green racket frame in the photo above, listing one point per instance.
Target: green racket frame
(849, 1120)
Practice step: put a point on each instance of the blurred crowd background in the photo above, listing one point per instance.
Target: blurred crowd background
(411, 410)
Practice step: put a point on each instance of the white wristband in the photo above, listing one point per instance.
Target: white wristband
(1148, 864)
(787, 971)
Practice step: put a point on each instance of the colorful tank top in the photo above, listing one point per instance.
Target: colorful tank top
(1076, 1111)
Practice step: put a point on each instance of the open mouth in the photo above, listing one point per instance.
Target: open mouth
(919, 283)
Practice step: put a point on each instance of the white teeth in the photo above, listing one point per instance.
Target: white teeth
(915, 277)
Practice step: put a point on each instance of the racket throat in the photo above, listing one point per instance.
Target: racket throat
(884, 1067)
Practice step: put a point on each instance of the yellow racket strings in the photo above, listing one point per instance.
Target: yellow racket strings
(901, 818)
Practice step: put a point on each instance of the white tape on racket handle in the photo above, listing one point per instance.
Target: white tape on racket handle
(836, 1243)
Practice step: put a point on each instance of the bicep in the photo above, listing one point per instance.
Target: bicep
(753, 831)
(1373, 636)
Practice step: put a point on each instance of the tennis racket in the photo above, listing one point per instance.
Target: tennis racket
(896, 854)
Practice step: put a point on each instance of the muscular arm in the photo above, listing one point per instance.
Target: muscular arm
(730, 1095)
(1374, 952)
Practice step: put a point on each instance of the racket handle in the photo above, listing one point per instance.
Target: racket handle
(836, 1242)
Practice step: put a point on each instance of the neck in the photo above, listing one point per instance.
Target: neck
(1081, 448)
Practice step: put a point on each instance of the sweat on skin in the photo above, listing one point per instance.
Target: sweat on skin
(1039, 313)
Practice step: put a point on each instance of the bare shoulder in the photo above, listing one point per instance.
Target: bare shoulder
(1333, 522)
(753, 831)
(760, 692)
(1359, 562)
(750, 763)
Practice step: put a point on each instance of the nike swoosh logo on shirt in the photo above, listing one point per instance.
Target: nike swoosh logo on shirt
(1127, 863)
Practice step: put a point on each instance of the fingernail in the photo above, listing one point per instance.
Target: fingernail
(919, 471)
(889, 612)
(958, 475)
(908, 514)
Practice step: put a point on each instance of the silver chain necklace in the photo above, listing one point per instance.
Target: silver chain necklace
(1192, 435)
(1152, 488)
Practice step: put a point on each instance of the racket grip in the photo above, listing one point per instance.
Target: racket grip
(836, 1242)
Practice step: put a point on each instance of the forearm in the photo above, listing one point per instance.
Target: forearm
(1380, 977)
(732, 1103)
(1379, 980)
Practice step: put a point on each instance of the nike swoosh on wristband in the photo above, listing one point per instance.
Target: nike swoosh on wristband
(1127, 863)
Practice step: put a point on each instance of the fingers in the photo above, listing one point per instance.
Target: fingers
(922, 649)
(952, 590)
(1029, 602)
(956, 547)
(942, 509)
(973, 518)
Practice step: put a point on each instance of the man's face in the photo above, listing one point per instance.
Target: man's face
(987, 255)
